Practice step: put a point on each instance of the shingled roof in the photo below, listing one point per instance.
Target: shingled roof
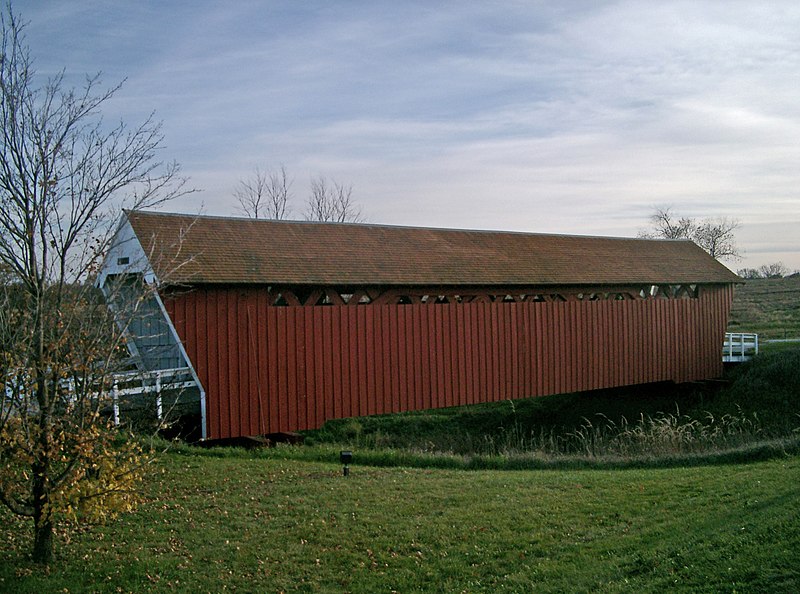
(225, 250)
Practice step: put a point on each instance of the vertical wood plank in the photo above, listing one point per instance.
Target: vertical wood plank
(499, 340)
(494, 351)
(423, 355)
(364, 371)
(251, 331)
(449, 378)
(484, 355)
(282, 368)
(226, 385)
(600, 343)
(575, 339)
(398, 358)
(376, 356)
(212, 382)
(539, 309)
(472, 373)
(310, 376)
(386, 363)
(355, 377)
(322, 375)
(434, 356)
(333, 364)
(343, 362)
(290, 394)
(457, 354)
(515, 350)
(371, 356)
(263, 363)
(242, 355)
(636, 340)
(413, 365)
(275, 371)
(525, 349)
(305, 367)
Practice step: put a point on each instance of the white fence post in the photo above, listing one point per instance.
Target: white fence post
(159, 411)
(115, 402)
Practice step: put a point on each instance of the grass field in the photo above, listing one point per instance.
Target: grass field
(259, 523)
(769, 307)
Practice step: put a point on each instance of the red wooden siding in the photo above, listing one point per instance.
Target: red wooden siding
(267, 369)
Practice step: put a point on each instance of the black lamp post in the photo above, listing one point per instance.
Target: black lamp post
(346, 456)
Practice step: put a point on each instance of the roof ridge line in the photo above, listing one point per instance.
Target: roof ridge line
(398, 226)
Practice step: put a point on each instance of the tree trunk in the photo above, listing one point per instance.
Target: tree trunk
(42, 539)
(42, 517)
(42, 510)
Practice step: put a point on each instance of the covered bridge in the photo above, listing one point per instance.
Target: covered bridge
(285, 325)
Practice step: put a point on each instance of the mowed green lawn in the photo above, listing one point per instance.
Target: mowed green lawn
(212, 524)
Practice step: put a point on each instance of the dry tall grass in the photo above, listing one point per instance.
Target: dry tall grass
(663, 434)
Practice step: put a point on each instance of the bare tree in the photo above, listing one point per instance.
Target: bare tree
(63, 178)
(265, 195)
(665, 225)
(332, 202)
(774, 270)
(716, 236)
(749, 273)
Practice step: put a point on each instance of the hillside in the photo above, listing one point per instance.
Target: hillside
(257, 523)
(770, 307)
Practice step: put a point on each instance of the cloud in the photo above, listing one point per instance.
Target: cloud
(567, 117)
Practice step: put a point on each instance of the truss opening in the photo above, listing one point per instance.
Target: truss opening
(321, 296)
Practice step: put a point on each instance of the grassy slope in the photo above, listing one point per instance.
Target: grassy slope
(770, 307)
(475, 428)
(269, 525)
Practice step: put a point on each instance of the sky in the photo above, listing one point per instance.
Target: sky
(552, 117)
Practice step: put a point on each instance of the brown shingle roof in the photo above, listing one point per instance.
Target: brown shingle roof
(237, 250)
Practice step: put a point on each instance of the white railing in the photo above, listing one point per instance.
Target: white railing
(149, 382)
(739, 346)
(125, 383)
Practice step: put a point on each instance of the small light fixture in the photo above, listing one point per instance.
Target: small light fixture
(346, 457)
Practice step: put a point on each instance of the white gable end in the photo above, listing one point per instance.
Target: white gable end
(125, 256)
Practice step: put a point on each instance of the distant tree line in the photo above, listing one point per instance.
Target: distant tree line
(774, 270)
(268, 195)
